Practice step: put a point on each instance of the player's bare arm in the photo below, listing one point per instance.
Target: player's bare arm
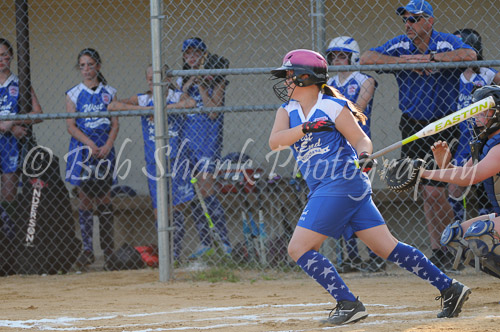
(365, 94)
(349, 128)
(282, 136)
(470, 174)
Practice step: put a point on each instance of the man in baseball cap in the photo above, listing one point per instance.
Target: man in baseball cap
(417, 7)
(425, 95)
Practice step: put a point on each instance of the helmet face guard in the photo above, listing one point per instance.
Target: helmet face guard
(308, 68)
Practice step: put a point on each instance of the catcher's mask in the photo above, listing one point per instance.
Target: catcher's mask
(306, 67)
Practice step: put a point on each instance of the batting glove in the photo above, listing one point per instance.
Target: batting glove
(317, 126)
(365, 163)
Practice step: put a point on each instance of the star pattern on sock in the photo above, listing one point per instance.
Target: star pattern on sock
(417, 263)
(310, 262)
(326, 271)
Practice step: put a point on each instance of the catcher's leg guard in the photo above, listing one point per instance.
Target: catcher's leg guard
(452, 238)
(483, 241)
(480, 238)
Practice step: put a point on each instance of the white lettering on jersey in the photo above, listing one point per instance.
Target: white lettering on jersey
(93, 108)
(307, 150)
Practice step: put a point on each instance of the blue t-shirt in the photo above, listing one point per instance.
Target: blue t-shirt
(426, 97)
(326, 159)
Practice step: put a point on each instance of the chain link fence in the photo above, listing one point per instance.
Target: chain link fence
(253, 196)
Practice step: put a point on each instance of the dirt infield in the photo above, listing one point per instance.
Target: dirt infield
(134, 301)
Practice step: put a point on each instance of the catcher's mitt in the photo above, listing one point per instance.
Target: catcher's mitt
(402, 174)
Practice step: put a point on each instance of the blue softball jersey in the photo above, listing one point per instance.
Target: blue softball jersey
(351, 88)
(97, 129)
(10, 150)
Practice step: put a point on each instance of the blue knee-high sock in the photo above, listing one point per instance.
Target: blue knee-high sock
(219, 218)
(371, 253)
(178, 233)
(201, 224)
(415, 261)
(86, 227)
(458, 208)
(352, 248)
(323, 272)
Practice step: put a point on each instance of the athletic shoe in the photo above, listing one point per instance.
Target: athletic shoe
(452, 299)
(347, 312)
(86, 258)
(201, 251)
(373, 264)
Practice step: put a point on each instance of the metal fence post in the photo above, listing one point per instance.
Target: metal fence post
(161, 142)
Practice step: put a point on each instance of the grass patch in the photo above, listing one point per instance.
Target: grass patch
(216, 274)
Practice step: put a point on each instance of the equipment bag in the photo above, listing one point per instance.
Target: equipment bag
(46, 242)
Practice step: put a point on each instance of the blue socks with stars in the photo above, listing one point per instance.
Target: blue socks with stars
(414, 260)
(323, 272)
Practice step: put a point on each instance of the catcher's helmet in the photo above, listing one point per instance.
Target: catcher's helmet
(493, 121)
(486, 91)
(472, 38)
(301, 62)
(344, 44)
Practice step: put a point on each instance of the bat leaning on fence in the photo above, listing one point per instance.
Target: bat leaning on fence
(213, 233)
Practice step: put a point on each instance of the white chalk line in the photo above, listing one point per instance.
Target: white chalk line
(68, 323)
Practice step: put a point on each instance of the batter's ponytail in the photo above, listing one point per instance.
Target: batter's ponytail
(331, 91)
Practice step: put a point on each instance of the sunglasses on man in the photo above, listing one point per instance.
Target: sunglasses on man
(412, 19)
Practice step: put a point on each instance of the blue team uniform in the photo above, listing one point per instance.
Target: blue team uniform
(340, 194)
(182, 190)
(203, 135)
(484, 77)
(10, 150)
(425, 97)
(351, 89)
(97, 129)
